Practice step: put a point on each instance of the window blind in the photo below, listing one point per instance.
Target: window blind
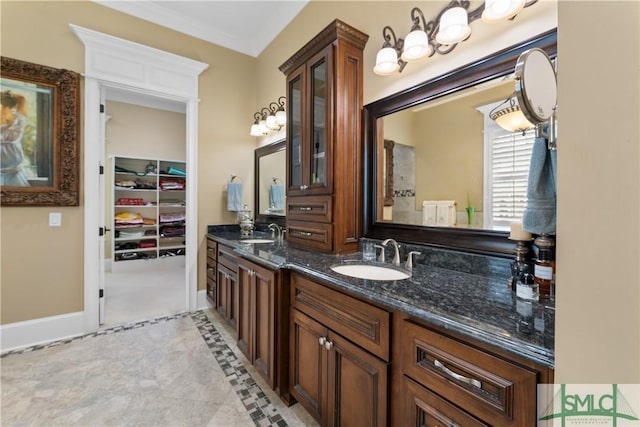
(509, 172)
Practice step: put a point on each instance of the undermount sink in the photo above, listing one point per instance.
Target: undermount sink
(370, 272)
(256, 241)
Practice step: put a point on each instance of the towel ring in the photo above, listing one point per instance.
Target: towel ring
(233, 177)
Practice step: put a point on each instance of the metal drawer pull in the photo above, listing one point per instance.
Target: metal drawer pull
(306, 233)
(459, 377)
(328, 345)
(304, 187)
(306, 208)
(322, 340)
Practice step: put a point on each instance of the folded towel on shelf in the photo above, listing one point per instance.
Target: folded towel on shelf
(234, 196)
(540, 213)
(276, 194)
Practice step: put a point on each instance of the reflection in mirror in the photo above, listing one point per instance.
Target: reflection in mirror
(270, 178)
(453, 177)
(451, 165)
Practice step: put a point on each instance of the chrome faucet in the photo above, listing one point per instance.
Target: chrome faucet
(396, 256)
(276, 231)
(409, 263)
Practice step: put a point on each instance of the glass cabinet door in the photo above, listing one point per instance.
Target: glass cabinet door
(318, 151)
(295, 128)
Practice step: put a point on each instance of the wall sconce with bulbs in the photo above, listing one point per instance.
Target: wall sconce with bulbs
(269, 119)
(440, 35)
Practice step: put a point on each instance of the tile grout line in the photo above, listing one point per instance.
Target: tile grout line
(257, 404)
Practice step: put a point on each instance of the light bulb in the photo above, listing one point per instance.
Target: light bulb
(501, 10)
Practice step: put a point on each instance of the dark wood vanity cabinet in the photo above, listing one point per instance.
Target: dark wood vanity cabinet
(227, 285)
(339, 356)
(440, 380)
(212, 267)
(324, 150)
(257, 288)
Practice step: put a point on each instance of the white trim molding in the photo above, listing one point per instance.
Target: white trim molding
(114, 63)
(19, 335)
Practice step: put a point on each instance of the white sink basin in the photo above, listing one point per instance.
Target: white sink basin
(256, 241)
(370, 272)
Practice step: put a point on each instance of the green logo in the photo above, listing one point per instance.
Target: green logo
(587, 408)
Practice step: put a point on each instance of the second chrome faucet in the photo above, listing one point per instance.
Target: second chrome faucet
(396, 256)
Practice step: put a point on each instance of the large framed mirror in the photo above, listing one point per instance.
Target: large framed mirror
(270, 177)
(430, 145)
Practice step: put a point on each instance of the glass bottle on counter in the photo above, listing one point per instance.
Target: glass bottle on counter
(544, 269)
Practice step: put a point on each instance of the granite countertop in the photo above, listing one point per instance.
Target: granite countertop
(480, 306)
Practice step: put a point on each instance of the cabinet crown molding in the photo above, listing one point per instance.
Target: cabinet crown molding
(336, 30)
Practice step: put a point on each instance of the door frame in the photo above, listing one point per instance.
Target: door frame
(138, 69)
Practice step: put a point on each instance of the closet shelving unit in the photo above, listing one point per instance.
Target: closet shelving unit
(149, 207)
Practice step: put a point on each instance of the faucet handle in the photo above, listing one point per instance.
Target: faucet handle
(409, 263)
(381, 257)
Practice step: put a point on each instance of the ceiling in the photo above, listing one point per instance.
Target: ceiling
(241, 25)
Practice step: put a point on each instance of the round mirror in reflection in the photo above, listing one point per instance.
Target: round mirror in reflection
(536, 87)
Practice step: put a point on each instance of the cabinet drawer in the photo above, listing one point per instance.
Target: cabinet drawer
(362, 323)
(490, 388)
(310, 235)
(212, 251)
(228, 258)
(424, 408)
(312, 208)
(211, 272)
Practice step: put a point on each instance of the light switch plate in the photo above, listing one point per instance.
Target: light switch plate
(55, 219)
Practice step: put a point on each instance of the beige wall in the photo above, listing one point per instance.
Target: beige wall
(42, 267)
(143, 132)
(598, 308)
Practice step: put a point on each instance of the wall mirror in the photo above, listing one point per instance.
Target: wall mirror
(430, 147)
(270, 175)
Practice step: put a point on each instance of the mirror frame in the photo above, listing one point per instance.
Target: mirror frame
(488, 242)
(258, 154)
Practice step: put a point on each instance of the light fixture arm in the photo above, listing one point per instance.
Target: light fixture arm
(257, 117)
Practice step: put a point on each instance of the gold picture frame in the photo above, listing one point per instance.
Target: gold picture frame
(39, 156)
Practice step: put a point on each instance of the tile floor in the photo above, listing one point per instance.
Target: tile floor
(139, 295)
(179, 370)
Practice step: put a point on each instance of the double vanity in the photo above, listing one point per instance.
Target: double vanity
(439, 340)
(448, 344)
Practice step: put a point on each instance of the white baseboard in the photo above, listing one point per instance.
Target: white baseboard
(203, 302)
(18, 335)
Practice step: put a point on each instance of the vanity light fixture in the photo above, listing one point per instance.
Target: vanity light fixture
(269, 119)
(442, 34)
(509, 116)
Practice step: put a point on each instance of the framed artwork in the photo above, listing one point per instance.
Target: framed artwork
(39, 160)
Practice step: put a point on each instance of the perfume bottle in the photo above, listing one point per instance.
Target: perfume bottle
(544, 270)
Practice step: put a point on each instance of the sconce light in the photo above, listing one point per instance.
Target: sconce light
(509, 116)
(442, 34)
(387, 61)
(269, 119)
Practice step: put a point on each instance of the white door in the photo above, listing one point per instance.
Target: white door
(101, 208)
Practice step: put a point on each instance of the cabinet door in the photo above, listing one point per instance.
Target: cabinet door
(357, 385)
(245, 310)
(319, 81)
(295, 126)
(264, 300)
(222, 291)
(307, 379)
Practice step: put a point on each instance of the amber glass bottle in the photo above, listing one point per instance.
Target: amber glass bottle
(545, 267)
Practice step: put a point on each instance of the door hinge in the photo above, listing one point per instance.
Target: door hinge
(101, 231)
(101, 293)
(101, 170)
(102, 108)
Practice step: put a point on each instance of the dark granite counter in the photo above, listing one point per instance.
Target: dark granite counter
(461, 292)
